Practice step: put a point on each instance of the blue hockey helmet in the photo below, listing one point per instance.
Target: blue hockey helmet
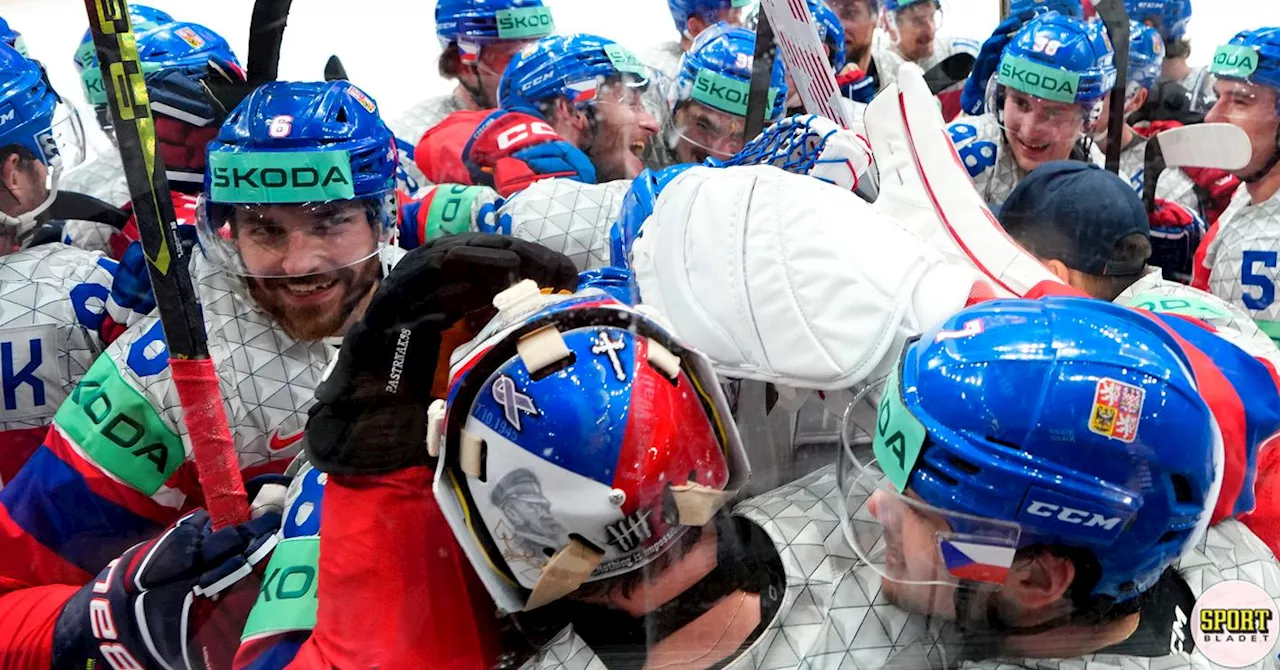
(478, 21)
(710, 11)
(293, 143)
(716, 71)
(1061, 59)
(1169, 17)
(591, 412)
(566, 66)
(1146, 56)
(12, 37)
(141, 17)
(831, 30)
(172, 45)
(1066, 7)
(1063, 422)
(1252, 56)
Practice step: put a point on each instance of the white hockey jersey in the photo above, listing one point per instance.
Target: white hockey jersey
(1243, 259)
(100, 176)
(53, 299)
(410, 125)
(1174, 184)
(888, 59)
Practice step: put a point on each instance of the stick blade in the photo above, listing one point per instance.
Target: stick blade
(1205, 145)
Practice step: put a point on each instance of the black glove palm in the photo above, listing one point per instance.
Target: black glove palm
(370, 413)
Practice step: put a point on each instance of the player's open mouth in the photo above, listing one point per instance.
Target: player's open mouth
(638, 148)
(1034, 148)
(309, 288)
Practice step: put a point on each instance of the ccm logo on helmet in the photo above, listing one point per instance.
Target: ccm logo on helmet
(1072, 516)
(518, 133)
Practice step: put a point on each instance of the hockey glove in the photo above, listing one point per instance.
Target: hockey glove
(370, 415)
(510, 150)
(446, 209)
(856, 85)
(1175, 234)
(177, 601)
(1215, 188)
(973, 98)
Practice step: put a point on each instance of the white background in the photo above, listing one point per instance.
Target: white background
(389, 46)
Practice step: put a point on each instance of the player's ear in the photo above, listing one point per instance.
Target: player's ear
(695, 25)
(1139, 99)
(1039, 581)
(1059, 269)
(11, 173)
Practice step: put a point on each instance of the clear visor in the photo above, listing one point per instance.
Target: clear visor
(706, 133)
(920, 16)
(902, 538)
(1039, 123)
(295, 240)
(66, 141)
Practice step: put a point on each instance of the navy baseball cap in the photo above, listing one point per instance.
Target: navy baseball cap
(1080, 212)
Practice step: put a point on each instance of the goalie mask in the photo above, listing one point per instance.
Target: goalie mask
(580, 441)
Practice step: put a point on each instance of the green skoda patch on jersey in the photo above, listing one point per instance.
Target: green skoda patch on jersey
(1231, 60)
(287, 600)
(525, 22)
(725, 93)
(280, 177)
(120, 430)
(450, 211)
(1184, 305)
(899, 435)
(625, 61)
(1041, 81)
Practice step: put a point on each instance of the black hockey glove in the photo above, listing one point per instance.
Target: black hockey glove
(370, 415)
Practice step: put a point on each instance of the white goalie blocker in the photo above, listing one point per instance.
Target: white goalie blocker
(785, 279)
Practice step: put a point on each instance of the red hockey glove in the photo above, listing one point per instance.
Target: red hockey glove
(511, 150)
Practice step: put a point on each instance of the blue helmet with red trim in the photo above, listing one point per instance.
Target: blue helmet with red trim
(141, 17)
(480, 21)
(565, 66)
(577, 427)
(1076, 419)
(1146, 55)
(716, 72)
(298, 143)
(710, 11)
(1059, 58)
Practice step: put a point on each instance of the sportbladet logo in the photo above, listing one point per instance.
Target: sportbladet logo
(1235, 624)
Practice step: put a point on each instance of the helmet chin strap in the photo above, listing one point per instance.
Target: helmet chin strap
(26, 223)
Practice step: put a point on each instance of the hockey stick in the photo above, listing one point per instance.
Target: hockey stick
(761, 76)
(1004, 10)
(806, 59)
(1116, 19)
(954, 70)
(194, 376)
(1205, 145)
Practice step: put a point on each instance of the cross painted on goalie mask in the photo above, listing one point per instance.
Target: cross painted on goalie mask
(513, 402)
(610, 348)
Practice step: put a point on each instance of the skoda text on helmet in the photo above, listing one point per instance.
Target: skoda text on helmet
(12, 37)
(470, 25)
(708, 98)
(1252, 57)
(1064, 422)
(709, 11)
(320, 148)
(580, 442)
(1059, 59)
(573, 67)
(175, 45)
(141, 17)
(29, 123)
(1146, 58)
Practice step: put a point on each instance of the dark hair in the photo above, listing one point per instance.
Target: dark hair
(449, 64)
(1048, 242)
(1177, 48)
(1085, 608)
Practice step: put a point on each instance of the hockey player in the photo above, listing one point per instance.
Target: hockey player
(570, 107)
(831, 32)
(282, 267)
(1239, 261)
(141, 17)
(182, 62)
(1046, 96)
(478, 38)
(1094, 234)
(708, 99)
(691, 18)
(1171, 18)
(909, 33)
